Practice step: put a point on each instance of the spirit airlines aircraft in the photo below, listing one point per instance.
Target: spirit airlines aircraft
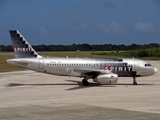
(105, 70)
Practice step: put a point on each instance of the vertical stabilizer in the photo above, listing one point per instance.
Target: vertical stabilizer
(22, 48)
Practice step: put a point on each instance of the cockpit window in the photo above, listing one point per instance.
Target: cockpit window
(146, 65)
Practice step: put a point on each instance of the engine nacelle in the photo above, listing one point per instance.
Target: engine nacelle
(106, 78)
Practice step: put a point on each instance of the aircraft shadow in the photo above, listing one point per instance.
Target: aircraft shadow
(103, 85)
(20, 84)
(74, 82)
(132, 84)
(81, 86)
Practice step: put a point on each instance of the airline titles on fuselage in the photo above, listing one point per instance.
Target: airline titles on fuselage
(126, 68)
(114, 67)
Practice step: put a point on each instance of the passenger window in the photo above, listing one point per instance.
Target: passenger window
(146, 65)
(149, 65)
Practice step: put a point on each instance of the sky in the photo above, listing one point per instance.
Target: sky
(66, 22)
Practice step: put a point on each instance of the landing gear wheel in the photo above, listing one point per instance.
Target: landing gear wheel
(134, 81)
(85, 82)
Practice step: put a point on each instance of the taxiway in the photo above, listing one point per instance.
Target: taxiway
(30, 95)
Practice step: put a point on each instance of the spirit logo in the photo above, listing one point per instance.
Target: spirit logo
(107, 68)
(118, 68)
(22, 49)
(124, 68)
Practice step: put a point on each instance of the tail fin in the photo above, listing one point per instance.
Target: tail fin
(22, 48)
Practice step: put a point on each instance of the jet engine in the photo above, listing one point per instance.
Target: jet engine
(106, 78)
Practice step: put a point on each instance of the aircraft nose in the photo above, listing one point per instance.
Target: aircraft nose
(155, 70)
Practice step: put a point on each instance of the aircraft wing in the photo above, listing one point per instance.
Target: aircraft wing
(91, 72)
(86, 72)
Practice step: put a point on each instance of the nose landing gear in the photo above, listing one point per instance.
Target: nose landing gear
(134, 81)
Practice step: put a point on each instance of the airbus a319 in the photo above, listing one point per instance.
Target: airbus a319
(105, 70)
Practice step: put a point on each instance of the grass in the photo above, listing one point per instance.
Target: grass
(123, 55)
(4, 67)
(75, 54)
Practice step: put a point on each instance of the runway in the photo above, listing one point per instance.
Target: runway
(30, 95)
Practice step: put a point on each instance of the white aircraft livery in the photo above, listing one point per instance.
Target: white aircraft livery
(105, 70)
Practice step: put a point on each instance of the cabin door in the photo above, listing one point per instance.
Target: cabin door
(136, 65)
(41, 63)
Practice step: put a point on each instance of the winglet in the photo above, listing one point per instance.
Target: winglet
(22, 48)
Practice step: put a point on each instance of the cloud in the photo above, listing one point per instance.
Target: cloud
(102, 27)
(98, 28)
(86, 27)
(109, 5)
(115, 27)
(144, 27)
(112, 27)
(77, 5)
(43, 31)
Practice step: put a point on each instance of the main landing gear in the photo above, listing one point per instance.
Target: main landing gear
(85, 82)
(134, 81)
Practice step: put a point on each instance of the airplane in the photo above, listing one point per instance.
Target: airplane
(106, 70)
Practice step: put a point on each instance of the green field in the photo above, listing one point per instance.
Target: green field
(106, 54)
(4, 67)
(74, 54)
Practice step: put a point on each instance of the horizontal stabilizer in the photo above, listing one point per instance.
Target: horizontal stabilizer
(18, 62)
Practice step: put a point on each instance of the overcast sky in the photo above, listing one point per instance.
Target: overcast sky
(81, 21)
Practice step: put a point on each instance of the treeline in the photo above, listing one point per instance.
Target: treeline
(85, 47)
(152, 52)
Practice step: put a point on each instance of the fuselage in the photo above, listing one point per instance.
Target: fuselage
(105, 70)
(66, 66)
